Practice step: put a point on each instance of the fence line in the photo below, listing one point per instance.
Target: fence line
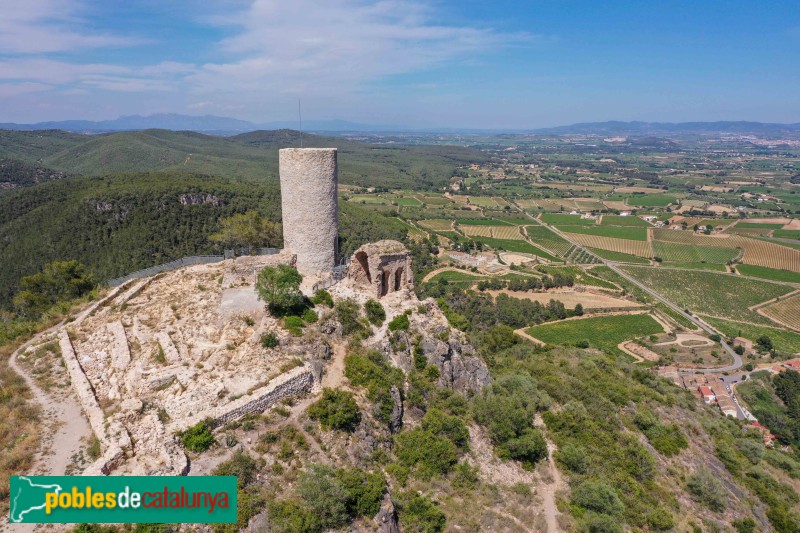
(187, 261)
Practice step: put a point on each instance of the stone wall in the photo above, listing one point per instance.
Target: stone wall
(297, 382)
(381, 268)
(309, 200)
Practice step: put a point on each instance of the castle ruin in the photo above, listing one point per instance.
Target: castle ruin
(380, 268)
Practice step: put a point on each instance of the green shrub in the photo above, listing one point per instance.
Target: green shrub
(199, 437)
(240, 465)
(600, 523)
(668, 440)
(372, 372)
(660, 519)
(597, 496)
(364, 490)
(294, 325)
(269, 340)
(450, 427)
(425, 453)
(752, 449)
(310, 316)
(573, 457)
(291, 516)
(347, 313)
(279, 287)
(399, 323)
(322, 297)
(419, 514)
(336, 409)
(708, 490)
(745, 525)
(324, 495)
(376, 314)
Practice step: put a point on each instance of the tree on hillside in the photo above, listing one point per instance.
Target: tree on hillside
(249, 229)
(59, 281)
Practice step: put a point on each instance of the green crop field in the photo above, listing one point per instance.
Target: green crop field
(482, 201)
(482, 222)
(604, 332)
(709, 293)
(515, 246)
(651, 200)
(573, 220)
(618, 220)
(758, 225)
(408, 202)
(436, 224)
(620, 257)
(685, 253)
(452, 276)
(548, 239)
(786, 234)
(579, 274)
(616, 232)
(783, 339)
(369, 199)
(768, 273)
(699, 266)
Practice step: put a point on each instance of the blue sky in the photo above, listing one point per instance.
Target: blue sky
(467, 63)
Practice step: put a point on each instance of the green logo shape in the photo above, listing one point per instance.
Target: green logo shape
(122, 499)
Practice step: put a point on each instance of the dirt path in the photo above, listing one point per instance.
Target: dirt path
(548, 491)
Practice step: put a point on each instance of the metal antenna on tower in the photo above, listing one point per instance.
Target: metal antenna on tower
(300, 115)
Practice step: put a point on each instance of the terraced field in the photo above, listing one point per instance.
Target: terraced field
(548, 239)
(625, 246)
(683, 253)
(785, 312)
(710, 293)
(604, 332)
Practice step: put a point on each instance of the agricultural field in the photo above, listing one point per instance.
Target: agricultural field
(784, 340)
(786, 311)
(787, 234)
(768, 273)
(436, 224)
(516, 246)
(546, 238)
(481, 221)
(770, 255)
(708, 293)
(716, 267)
(758, 225)
(581, 276)
(618, 220)
(591, 301)
(603, 332)
(567, 220)
(689, 237)
(652, 200)
(616, 232)
(484, 201)
(407, 202)
(476, 231)
(625, 246)
(682, 253)
(619, 256)
(496, 232)
(369, 199)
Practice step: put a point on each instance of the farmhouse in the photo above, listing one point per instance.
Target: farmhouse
(706, 394)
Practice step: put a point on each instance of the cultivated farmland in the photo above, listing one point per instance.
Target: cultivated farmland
(683, 253)
(710, 293)
(616, 232)
(604, 332)
(618, 220)
(785, 312)
(770, 255)
(548, 239)
(436, 224)
(625, 246)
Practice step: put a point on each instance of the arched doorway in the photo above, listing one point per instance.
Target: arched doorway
(363, 275)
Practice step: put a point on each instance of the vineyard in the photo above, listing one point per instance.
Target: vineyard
(683, 253)
(619, 220)
(615, 232)
(568, 220)
(582, 257)
(495, 232)
(785, 312)
(770, 255)
(625, 246)
(710, 293)
(437, 224)
(688, 237)
(548, 239)
(768, 273)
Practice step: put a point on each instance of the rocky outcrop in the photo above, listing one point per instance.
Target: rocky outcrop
(396, 418)
(386, 519)
(459, 367)
(194, 198)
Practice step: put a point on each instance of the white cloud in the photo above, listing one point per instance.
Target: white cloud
(42, 26)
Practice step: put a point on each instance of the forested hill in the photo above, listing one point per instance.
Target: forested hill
(117, 224)
(250, 155)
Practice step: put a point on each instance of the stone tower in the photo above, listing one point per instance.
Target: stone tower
(309, 200)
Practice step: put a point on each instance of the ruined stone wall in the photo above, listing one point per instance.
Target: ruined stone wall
(309, 200)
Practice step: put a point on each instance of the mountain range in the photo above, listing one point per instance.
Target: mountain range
(226, 126)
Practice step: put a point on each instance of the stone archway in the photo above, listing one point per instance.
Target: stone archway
(398, 279)
(363, 262)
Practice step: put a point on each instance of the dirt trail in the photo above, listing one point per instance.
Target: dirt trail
(549, 491)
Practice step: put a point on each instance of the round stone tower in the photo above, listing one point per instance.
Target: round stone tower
(309, 200)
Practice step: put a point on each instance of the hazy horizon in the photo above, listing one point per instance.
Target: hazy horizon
(467, 65)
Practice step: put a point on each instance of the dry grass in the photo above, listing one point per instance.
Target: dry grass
(19, 425)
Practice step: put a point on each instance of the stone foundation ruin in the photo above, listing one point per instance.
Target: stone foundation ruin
(381, 268)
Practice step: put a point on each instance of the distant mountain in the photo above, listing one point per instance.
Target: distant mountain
(664, 128)
(204, 124)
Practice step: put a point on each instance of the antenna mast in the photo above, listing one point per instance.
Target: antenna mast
(300, 116)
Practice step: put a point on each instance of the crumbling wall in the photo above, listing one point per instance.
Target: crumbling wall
(381, 268)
